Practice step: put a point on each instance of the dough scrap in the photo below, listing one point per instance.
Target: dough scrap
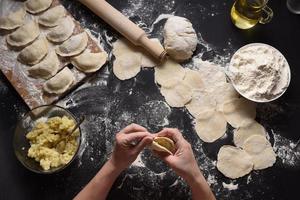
(24, 35)
(193, 79)
(243, 133)
(34, 53)
(47, 68)
(73, 46)
(176, 93)
(234, 162)
(212, 75)
(37, 6)
(168, 70)
(127, 66)
(201, 101)
(261, 151)
(59, 83)
(239, 112)
(180, 39)
(13, 20)
(163, 144)
(89, 62)
(210, 126)
(62, 31)
(51, 17)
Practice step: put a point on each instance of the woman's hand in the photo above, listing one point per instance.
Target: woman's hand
(183, 161)
(129, 143)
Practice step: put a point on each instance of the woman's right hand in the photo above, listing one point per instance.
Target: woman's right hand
(183, 161)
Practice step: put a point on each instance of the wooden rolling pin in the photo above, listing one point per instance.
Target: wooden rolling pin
(124, 26)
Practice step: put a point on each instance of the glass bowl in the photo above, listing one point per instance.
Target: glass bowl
(21, 143)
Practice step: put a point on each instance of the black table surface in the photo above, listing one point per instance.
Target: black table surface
(110, 104)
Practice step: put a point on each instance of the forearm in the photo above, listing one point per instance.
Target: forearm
(200, 189)
(101, 184)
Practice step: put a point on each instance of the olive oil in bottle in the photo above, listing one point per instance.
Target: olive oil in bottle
(247, 13)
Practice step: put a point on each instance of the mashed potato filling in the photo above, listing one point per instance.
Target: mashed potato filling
(50, 142)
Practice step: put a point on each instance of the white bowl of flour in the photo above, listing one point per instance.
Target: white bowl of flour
(259, 72)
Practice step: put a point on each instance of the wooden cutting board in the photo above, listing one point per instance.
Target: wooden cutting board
(30, 89)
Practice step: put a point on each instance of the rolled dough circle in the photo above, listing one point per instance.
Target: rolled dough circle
(127, 66)
(234, 162)
(211, 127)
(241, 134)
(239, 112)
(261, 151)
(168, 70)
(176, 93)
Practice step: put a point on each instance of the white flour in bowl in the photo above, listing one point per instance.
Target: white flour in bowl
(259, 72)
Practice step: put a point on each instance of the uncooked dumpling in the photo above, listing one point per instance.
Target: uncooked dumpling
(127, 65)
(46, 68)
(239, 112)
(73, 46)
(168, 70)
(24, 35)
(210, 125)
(13, 20)
(234, 162)
(180, 39)
(243, 133)
(62, 31)
(163, 144)
(34, 53)
(261, 151)
(60, 82)
(51, 17)
(37, 6)
(176, 93)
(89, 62)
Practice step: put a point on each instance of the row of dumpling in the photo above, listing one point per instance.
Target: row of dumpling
(35, 51)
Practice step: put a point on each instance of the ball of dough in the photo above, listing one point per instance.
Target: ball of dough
(180, 39)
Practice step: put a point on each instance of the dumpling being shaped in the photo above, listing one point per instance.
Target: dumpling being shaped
(13, 20)
(24, 35)
(89, 62)
(62, 31)
(60, 82)
(37, 6)
(34, 53)
(51, 17)
(73, 46)
(47, 68)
